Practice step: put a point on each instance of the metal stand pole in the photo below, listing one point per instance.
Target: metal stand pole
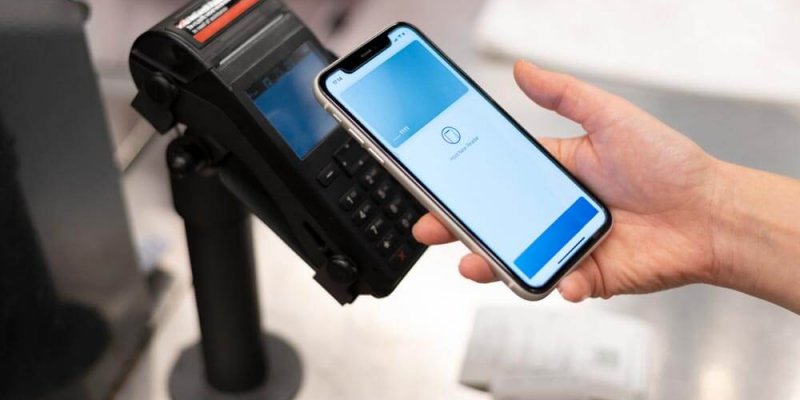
(239, 360)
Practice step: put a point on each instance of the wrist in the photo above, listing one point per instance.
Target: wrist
(755, 230)
(725, 225)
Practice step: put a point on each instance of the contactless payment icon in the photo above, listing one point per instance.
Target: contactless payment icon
(451, 135)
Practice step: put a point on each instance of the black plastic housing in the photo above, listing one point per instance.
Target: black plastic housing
(203, 86)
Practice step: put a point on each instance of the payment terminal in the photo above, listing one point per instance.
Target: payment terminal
(237, 74)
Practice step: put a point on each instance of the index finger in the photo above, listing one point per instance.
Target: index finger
(429, 230)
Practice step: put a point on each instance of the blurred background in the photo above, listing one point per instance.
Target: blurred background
(725, 73)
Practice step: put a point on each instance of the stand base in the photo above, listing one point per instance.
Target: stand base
(187, 380)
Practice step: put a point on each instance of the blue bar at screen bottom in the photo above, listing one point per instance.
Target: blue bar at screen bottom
(555, 237)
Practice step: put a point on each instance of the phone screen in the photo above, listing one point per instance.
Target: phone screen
(470, 156)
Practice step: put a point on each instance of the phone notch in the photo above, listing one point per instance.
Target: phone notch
(367, 52)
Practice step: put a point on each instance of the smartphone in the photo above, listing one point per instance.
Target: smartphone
(464, 158)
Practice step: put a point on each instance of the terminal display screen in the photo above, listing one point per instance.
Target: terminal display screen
(285, 97)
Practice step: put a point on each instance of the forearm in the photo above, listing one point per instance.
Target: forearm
(757, 234)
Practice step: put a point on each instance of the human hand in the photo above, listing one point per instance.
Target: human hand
(659, 185)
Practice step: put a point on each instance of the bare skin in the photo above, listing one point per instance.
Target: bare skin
(681, 216)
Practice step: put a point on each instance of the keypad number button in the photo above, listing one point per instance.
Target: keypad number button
(364, 213)
(350, 199)
(408, 220)
(395, 207)
(376, 228)
(370, 177)
(382, 192)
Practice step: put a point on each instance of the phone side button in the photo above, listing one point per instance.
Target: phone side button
(376, 156)
(356, 136)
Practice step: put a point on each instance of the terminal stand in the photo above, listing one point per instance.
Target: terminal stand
(236, 358)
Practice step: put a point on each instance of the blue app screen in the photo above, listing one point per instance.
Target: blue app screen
(477, 164)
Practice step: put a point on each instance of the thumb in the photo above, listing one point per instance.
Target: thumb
(563, 149)
(579, 101)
